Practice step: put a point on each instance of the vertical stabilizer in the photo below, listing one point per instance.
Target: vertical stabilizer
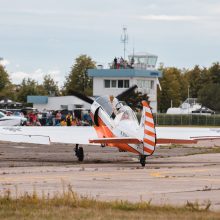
(147, 121)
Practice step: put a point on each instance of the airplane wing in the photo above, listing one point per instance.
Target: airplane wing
(45, 135)
(88, 135)
(185, 135)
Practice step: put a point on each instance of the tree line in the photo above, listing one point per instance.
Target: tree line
(201, 82)
(76, 80)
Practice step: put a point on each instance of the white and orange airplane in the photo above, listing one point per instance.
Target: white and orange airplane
(115, 125)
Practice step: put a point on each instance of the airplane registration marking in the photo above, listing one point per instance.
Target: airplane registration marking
(123, 134)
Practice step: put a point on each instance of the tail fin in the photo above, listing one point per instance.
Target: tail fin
(149, 140)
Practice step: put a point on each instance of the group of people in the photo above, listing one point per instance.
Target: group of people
(56, 118)
(120, 63)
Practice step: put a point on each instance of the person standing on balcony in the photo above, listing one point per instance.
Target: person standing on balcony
(115, 63)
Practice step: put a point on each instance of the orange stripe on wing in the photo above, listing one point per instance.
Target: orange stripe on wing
(115, 141)
(175, 141)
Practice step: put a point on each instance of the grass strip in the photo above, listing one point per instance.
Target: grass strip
(69, 205)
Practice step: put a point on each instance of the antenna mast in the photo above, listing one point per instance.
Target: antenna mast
(124, 39)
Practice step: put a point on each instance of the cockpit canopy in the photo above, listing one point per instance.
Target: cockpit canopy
(125, 113)
(120, 111)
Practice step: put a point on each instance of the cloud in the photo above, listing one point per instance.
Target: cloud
(17, 77)
(37, 75)
(170, 18)
(4, 62)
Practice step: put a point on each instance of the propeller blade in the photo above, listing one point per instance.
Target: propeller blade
(81, 96)
(126, 92)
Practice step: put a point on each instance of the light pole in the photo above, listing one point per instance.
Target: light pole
(188, 99)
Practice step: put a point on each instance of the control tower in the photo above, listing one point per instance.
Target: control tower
(143, 61)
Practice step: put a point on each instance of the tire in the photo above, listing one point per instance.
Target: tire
(80, 154)
(143, 164)
(143, 161)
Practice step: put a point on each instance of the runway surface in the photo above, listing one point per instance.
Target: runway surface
(174, 175)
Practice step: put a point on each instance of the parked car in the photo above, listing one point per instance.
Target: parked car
(11, 120)
(27, 110)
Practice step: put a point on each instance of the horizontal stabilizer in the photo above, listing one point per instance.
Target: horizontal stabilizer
(121, 140)
(175, 141)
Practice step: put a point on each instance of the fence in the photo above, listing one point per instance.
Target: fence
(196, 120)
(200, 120)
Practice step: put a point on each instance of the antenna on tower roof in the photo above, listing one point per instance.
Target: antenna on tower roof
(133, 47)
(124, 39)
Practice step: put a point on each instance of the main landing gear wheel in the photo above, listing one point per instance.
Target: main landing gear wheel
(143, 160)
(79, 153)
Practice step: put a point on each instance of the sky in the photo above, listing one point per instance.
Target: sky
(39, 37)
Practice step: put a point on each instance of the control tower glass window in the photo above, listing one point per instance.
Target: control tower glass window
(152, 61)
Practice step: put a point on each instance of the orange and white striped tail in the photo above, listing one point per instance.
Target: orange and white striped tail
(149, 140)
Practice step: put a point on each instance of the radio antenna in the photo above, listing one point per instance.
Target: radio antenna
(124, 39)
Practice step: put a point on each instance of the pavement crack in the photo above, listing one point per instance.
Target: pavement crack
(198, 190)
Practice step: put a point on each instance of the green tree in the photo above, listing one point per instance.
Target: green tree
(214, 71)
(50, 86)
(6, 87)
(209, 96)
(4, 78)
(134, 100)
(78, 78)
(173, 88)
(194, 81)
(209, 87)
(30, 87)
(183, 85)
(205, 77)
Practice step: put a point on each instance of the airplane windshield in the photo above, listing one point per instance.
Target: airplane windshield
(126, 113)
(104, 101)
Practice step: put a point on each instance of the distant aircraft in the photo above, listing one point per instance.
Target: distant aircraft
(11, 120)
(115, 125)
